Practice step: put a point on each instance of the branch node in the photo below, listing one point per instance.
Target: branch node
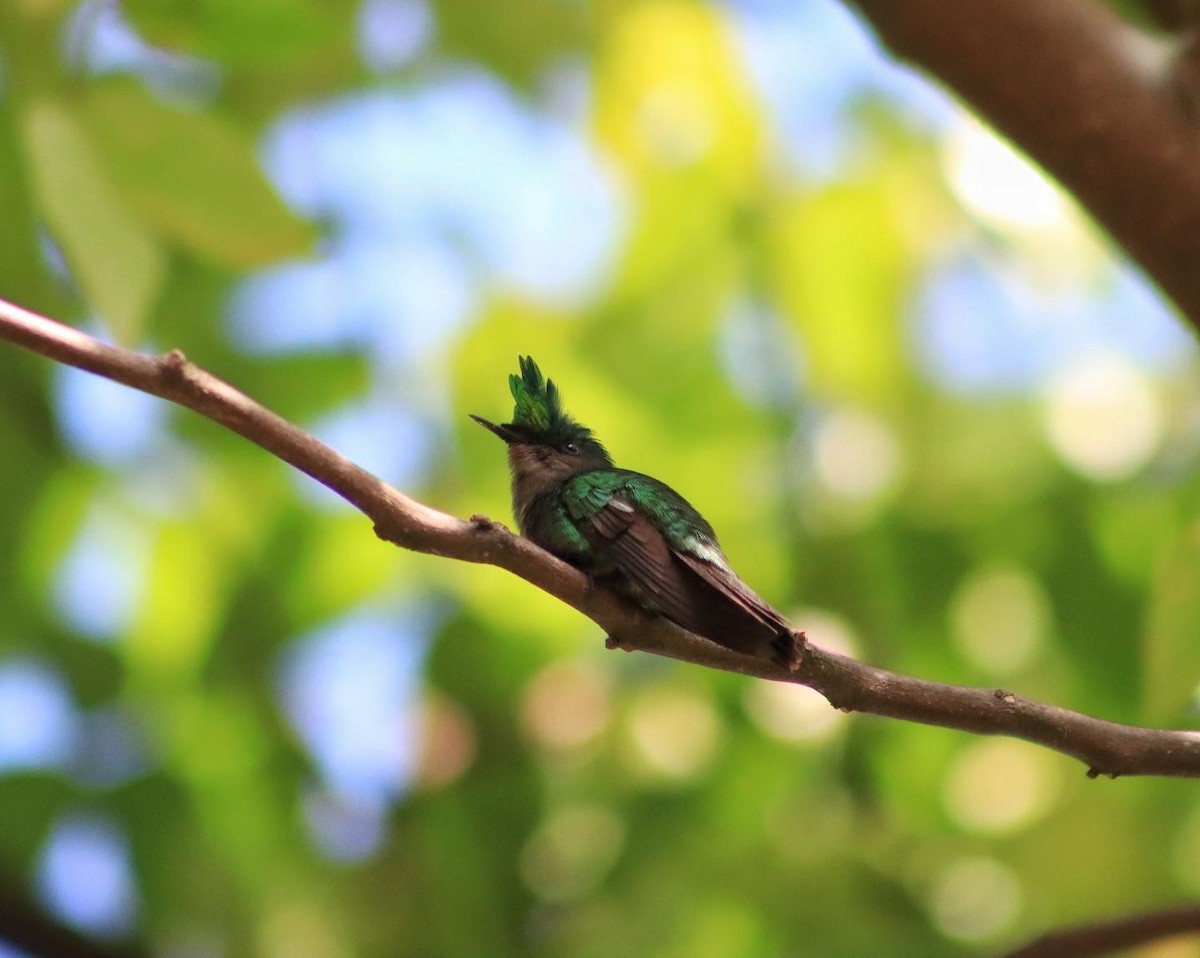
(382, 532)
(613, 641)
(839, 705)
(174, 363)
(1002, 695)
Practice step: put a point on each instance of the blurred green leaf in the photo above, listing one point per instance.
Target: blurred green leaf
(193, 177)
(837, 263)
(1170, 647)
(23, 272)
(31, 802)
(117, 263)
(519, 40)
(228, 30)
(175, 624)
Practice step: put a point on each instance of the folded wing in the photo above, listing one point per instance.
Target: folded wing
(693, 587)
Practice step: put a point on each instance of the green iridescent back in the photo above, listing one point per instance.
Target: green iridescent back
(684, 528)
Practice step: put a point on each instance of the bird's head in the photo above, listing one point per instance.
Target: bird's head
(543, 441)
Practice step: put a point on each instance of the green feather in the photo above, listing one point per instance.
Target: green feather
(538, 412)
(684, 528)
(538, 407)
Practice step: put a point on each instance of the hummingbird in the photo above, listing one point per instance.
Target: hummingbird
(628, 530)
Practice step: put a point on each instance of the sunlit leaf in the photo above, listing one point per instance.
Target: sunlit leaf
(22, 272)
(173, 630)
(117, 263)
(194, 177)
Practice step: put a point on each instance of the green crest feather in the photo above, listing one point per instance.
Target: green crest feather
(538, 407)
(538, 412)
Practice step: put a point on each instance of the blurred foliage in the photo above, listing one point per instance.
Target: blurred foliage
(755, 343)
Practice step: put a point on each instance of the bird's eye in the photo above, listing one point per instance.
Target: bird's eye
(571, 448)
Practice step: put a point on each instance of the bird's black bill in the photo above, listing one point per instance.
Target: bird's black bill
(505, 432)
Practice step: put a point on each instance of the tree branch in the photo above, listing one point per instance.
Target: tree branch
(1102, 938)
(1093, 100)
(1105, 747)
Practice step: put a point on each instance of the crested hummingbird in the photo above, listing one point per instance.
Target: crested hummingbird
(626, 529)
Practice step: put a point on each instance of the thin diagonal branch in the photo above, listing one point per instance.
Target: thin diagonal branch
(1106, 937)
(1096, 102)
(1105, 747)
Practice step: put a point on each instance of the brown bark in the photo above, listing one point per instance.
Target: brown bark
(1106, 937)
(1093, 100)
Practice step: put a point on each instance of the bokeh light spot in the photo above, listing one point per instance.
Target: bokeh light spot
(85, 876)
(448, 741)
(348, 690)
(566, 705)
(975, 899)
(1000, 786)
(392, 32)
(792, 713)
(857, 455)
(676, 123)
(346, 828)
(998, 184)
(999, 618)
(300, 928)
(1103, 417)
(675, 734)
(572, 851)
(39, 726)
(105, 421)
(100, 578)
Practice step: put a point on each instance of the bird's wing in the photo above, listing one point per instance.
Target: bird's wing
(729, 584)
(644, 556)
(684, 574)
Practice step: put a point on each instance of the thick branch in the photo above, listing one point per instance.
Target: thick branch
(1109, 936)
(1090, 98)
(1105, 747)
